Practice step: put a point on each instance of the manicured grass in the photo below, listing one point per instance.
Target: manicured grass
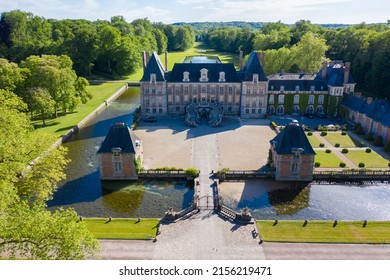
(62, 124)
(344, 140)
(324, 232)
(371, 160)
(178, 57)
(122, 228)
(314, 141)
(327, 160)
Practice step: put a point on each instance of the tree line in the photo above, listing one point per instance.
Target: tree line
(303, 46)
(112, 47)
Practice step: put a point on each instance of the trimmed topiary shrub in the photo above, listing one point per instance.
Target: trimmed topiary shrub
(324, 133)
(378, 141)
(328, 151)
(337, 145)
(359, 130)
(342, 164)
(310, 133)
(368, 150)
(361, 164)
(322, 145)
(317, 164)
(343, 133)
(344, 151)
(361, 144)
(369, 137)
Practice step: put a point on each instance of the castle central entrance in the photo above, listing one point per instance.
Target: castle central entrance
(195, 112)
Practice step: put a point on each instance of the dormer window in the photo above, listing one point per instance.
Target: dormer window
(116, 152)
(152, 78)
(297, 88)
(255, 78)
(281, 88)
(186, 76)
(203, 75)
(221, 76)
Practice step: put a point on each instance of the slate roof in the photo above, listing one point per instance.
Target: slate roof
(378, 109)
(252, 66)
(119, 136)
(176, 75)
(292, 136)
(335, 75)
(289, 85)
(154, 67)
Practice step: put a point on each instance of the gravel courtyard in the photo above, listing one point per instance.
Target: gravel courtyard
(242, 144)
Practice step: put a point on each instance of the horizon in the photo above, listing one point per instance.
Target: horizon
(347, 12)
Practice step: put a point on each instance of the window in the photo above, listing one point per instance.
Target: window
(230, 89)
(281, 99)
(185, 89)
(160, 110)
(212, 89)
(147, 110)
(294, 167)
(146, 91)
(116, 152)
(247, 111)
(295, 110)
(221, 76)
(221, 89)
(153, 90)
(177, 108)
(147, 101)
(312, 88)
(310, 110)
(177, 88)
(248, 90)
(296, 88)
(255, 78)
(321, 99)
(203, 75)
(259, 111)
(271, 99)
(311, 99)
(152, 78)
(154, 110)
(272, 87)
(253, 111)
(203, 88)
(229, 109)
(281, 88)
(296, 99)
(280, 110)
(320, 109)
(118, 166)
(271, 110)
(186, 76)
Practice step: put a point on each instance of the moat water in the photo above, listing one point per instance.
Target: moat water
(90, 197)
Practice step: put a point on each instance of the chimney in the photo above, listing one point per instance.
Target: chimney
(241, 58)
(369, 100)
(262, 59)
(324, 69)
(166, 61)
(144, 60)
(347, 70)
(147, 58)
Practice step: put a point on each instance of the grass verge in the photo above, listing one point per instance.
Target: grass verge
(325, 232)
(371, 160)
(344, 140)
(327, 160)
(314, 141)
(122, 228)
(59, 126)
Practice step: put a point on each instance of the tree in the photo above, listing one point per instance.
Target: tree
(10, 75)
(309, 52)
(41, 104)
(81, 86)
(27, 229)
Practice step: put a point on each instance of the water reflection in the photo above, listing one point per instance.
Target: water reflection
(268, 199)
(83, 190)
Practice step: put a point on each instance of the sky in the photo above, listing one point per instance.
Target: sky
(170, 11)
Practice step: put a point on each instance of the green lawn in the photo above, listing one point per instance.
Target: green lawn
(314, 141)
(371, 160)
(344, 140)
(178, 57)
(324, 232)
(122, 228)
(62, 124)
(327, 160)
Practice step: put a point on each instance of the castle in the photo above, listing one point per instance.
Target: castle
(205, 86)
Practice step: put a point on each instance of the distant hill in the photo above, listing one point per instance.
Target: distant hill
(199, 26)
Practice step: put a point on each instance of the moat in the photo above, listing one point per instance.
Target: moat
(267, 200)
